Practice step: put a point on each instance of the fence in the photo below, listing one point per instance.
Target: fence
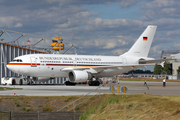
(7, 115)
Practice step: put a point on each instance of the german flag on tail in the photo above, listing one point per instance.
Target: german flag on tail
(145, 38)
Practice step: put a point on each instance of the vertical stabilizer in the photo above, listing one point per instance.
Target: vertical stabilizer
(142, 46)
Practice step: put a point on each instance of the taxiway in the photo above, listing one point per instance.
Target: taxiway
(134, 87)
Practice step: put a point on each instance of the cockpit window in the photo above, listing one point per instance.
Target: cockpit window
(17, 60)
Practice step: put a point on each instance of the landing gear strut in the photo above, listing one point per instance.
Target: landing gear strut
(68, 83)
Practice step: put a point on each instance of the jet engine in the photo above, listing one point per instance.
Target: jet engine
(41, 79)
(79, 76)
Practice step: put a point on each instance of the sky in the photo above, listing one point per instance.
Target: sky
(97, 27)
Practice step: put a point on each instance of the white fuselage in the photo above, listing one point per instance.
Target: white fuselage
(51, 65)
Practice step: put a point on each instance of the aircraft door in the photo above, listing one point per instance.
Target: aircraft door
(33, 61)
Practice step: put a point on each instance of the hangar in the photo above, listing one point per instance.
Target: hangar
(12, 46)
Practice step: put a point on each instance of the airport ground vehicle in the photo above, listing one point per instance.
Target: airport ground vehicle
(13, 81)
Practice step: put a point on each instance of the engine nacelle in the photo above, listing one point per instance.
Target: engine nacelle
(41, 79)
(79, 76)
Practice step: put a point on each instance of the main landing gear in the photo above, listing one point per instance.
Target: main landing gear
(68, 83)
(90, 82)
(94, 83)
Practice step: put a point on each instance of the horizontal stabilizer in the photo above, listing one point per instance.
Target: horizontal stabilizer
(153, 61)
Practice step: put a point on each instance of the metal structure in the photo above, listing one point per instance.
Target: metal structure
(166, 53)
(13, 44)
(15, 38)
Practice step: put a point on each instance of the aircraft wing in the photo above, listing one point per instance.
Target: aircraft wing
(143, 64)
(153, 61)
(121, 66)
(101, 68)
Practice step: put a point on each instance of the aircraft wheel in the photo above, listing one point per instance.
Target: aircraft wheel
(13, 82)
(68, 83)
(94, 83)
(20, 82)
(97, 83)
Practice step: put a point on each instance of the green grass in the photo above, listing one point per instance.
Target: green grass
(26, 109)
(47, 109)
(69, 98)
(134, 107)
(23, 109)
(17, 104)
(8, 88)
(105, 107)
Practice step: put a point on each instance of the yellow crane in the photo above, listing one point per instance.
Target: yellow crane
(55, 45)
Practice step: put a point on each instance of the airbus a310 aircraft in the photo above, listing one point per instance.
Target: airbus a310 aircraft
(80, 68)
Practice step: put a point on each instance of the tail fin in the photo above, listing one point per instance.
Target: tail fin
(142, 46)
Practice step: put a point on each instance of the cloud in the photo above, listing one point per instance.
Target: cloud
(76, 20)
(18, 25)
(173, 33)
(161, 9)
(156, 51)
(122, 3)
(82, 2)
(122, 43)
(177, 45)
(118, 51)
(8, 21)
(110, 45)
(119, 25)
(128, 3)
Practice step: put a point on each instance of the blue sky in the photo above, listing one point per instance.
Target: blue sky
(95, 26)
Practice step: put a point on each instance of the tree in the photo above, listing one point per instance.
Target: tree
(178, 70)
(157, 69)
(138, 71)
(166, 69)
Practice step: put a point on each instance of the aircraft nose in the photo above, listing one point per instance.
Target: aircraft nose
(8, 66)
(11, 67)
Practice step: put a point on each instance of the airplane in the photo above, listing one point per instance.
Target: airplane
(80, 68)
